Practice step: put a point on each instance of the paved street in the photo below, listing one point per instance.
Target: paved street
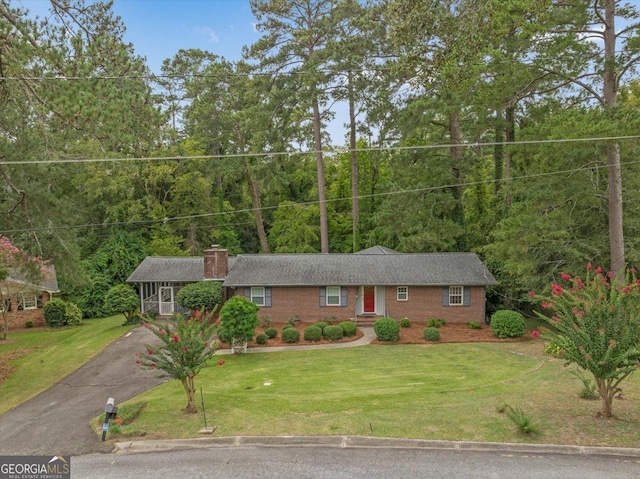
(351, 463)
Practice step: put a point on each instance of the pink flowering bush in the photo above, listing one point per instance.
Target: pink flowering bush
(595, 324)
(186, 346)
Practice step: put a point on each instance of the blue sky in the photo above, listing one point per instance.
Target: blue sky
(159, 28)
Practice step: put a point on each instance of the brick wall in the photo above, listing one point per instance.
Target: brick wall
(17, 318)
(423, 304)
(305, 303)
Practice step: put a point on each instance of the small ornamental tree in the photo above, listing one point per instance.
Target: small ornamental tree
(200, 296)
(238, 321)
(187, 345)
(596, 325)
(122, 299)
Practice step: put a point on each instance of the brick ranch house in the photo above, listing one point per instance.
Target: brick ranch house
(362, 286)
(24, 301)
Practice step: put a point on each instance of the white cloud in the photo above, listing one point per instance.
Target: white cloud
(213, 38)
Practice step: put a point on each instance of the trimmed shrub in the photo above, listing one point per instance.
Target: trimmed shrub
(405, 323)
(287, 326)
(265, 321)
(312, 333)
(261, 339)
(290, 335)
(54, 313)
(320, 324)
(349, 328)
(436, 322)
(474, 324)
(387, 329)
(334, 332)
(72, 314)
(28, 324)
(431, 334)
(507, 324)
(271, 333)
(203, 295)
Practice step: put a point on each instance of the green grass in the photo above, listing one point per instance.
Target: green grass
(39, 358)
(446, 391)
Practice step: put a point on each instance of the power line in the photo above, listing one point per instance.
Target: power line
(310, 203)
(333, 150)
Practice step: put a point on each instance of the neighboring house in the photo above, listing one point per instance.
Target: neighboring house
(24, 301)
(366, 285)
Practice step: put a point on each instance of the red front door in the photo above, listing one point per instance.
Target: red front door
(369, 305)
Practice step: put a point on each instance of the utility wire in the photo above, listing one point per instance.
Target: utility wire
(334, 150)
(310, 203)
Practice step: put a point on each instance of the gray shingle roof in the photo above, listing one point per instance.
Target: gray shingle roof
(174, 269)
(437, 269)
(49, 281)
(378, 250)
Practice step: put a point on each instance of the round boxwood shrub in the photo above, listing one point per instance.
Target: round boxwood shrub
(405, 323)
(349, 328)
(387, 329)
(287, 326)
(261, 339)
(507, 324)
(271, 332)
(290, 335)
(312, 333)
(431, 334)
(54, 313)
(334, 333)
(320, 324)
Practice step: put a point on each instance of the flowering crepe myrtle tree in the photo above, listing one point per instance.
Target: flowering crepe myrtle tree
(186, 346)
(18, 271)
(595, 323)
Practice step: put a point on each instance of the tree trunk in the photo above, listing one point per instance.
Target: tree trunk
(607, 392)
(254, 192)
(190, 389)
(610, 83)
(456, 160)
(510, 137)
(355, 212)
(322, 199)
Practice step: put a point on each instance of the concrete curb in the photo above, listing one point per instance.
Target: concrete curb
(135, 447)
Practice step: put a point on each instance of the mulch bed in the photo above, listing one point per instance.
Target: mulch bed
(449, 333)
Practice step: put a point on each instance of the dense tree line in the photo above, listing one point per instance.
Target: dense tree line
(504, 127)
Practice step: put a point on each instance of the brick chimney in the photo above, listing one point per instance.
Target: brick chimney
(216, 263)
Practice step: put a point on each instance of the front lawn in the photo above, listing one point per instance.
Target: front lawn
(33, 360)
(443, 391)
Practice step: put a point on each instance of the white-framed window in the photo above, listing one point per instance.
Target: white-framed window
(402, 293)
(257, 295)
(29, 300)
(456, 295)
(333, 295)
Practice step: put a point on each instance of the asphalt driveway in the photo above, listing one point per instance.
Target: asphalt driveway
(56, 422)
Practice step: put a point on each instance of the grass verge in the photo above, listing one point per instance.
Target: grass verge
(38, 358)
(447, 391)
